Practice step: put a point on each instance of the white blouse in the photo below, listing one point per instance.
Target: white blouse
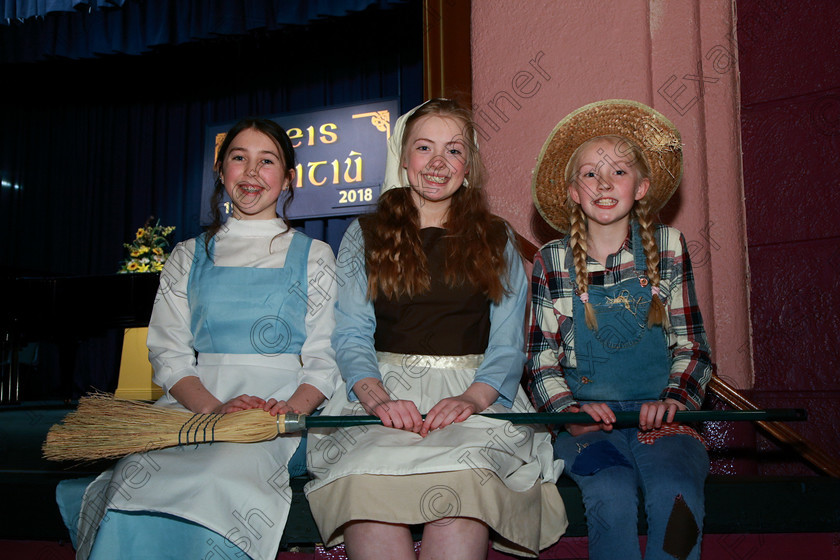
(244, 243)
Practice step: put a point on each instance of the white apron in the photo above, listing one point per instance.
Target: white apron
(240, 491)
(508, 465)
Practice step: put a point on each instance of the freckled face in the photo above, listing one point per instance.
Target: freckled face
(606, 185)
(435, 159)
(254, 175)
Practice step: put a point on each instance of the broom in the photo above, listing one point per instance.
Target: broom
(104, 427)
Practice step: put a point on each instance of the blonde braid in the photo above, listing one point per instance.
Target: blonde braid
(577, 239)
(657, 314)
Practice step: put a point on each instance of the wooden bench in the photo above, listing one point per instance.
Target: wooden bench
(734, 504)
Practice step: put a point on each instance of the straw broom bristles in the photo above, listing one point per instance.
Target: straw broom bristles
(104, 427)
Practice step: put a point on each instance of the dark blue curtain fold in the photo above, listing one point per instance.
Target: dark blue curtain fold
(20, 10)
(77, 29)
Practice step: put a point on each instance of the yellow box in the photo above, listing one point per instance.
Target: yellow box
(135, 381)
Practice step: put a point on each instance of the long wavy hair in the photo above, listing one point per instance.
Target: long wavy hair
(475, 238)
(278, 135)
(657, 314)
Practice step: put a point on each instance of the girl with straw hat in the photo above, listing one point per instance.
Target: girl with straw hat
(615, 326)
(429, 320)
(228, 333)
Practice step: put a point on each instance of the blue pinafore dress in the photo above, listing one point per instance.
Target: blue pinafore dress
(214, 500)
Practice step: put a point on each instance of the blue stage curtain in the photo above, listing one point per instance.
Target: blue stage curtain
(89, 149)
(73, 29)
(19, 10)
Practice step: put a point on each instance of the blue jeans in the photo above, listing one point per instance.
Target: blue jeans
(611, 467)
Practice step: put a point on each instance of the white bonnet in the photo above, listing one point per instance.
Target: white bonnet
(395, 175)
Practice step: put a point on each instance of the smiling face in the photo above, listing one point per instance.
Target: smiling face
(435, 159)
(254, 175)
(606, 183)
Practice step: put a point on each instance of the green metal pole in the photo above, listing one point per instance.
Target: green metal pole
(301, 422)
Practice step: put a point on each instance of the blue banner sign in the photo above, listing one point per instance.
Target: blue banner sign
(340, 155)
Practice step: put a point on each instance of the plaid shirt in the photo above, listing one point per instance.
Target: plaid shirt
(551, 332)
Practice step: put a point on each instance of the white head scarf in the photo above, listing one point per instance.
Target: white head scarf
(395, 174)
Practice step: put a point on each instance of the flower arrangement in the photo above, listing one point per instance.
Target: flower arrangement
(147, 252)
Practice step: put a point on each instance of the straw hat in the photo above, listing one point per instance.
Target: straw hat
(658, 138)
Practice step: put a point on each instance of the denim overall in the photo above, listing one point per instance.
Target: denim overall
(246, 310)
(624, 363)
(623, 359)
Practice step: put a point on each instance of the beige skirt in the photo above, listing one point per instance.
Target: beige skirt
(490, 470)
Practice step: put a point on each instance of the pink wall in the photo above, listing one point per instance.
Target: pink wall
(536, 61)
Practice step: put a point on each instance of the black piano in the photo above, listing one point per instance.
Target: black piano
(64, 311)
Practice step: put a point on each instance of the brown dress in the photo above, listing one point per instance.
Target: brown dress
(429, 348)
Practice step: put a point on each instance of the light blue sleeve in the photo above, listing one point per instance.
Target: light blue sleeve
(355, 322)
(504, 358)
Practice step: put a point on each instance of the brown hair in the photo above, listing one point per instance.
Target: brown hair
(475, 238)
(657, 315)
(274, 131)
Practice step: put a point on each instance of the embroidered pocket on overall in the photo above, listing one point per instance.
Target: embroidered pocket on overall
(622, 320)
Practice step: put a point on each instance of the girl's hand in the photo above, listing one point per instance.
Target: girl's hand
(476, 398)
(275, 407)
(402, 415)
(599, 412)
(304, 400)
(448, 411)
(653, 413)
(242, 402)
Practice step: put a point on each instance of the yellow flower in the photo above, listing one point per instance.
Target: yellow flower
(147, 252)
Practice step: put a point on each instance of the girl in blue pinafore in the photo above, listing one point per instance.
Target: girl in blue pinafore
(242, 320)
(615, 327)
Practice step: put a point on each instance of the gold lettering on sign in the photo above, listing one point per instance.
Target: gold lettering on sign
(380, 119)
(312, 166)
(348, 161)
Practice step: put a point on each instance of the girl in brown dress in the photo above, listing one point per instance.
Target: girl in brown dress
(429, 320)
